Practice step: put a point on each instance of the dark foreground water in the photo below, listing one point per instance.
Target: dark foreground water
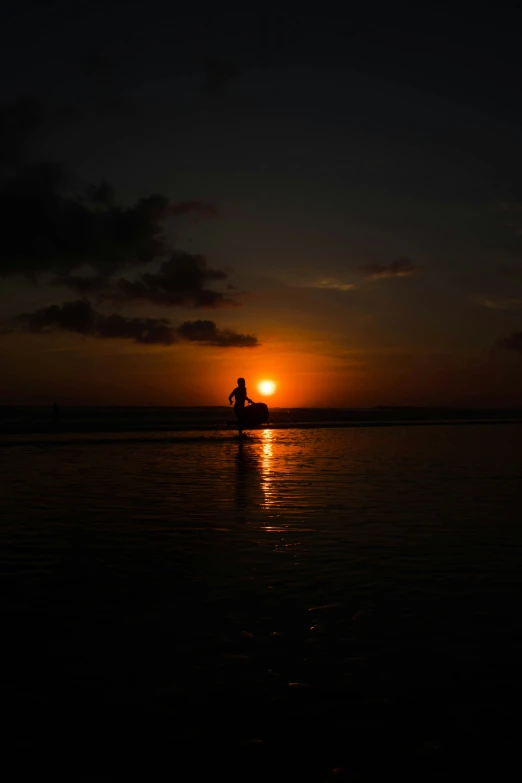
(317, 604)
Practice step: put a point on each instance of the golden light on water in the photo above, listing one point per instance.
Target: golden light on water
(266, 387)
(267, 468)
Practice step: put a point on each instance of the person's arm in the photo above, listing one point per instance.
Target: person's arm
(232, 394)
(249, 400)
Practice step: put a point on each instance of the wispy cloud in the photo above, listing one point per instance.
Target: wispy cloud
(500, 303)
(331, 283)
(401, 267)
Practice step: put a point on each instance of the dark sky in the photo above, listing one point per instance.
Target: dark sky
(341, 205)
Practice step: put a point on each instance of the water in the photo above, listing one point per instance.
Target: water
(126, 419)
(314, 604)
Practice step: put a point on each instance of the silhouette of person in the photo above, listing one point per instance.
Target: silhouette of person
(240, 393)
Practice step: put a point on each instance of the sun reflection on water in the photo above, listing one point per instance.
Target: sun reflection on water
(267, 482)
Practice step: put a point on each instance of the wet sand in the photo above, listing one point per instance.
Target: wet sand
(314, 604)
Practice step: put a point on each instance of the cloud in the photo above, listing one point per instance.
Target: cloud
(207, 333)
(76, 317)
(331, 283)
(512, 343)
(47, 228)
(401, 267)
(500, 303)
(80, 317)
(181, 281)
(53, 222)
(148, 331)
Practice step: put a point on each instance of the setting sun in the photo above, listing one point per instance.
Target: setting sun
(266, 387)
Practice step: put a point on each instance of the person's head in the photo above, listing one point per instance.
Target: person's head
(240, 381)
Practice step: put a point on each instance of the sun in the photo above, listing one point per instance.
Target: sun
(266, 387)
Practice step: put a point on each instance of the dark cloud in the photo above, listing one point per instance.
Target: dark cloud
(180, 281)
(80, 317)
(207, 333)
(512, 343)
(148, 331)
(48, 228)
(51, 222)
(401, 267)
(71, 317)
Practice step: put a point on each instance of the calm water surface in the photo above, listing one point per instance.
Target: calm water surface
(315, 604)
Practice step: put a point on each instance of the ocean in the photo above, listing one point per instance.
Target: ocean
(327, 600)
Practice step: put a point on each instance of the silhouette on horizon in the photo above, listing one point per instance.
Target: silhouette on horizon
(251, 417)
(240, 393)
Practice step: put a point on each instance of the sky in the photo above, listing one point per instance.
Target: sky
(329, 201)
